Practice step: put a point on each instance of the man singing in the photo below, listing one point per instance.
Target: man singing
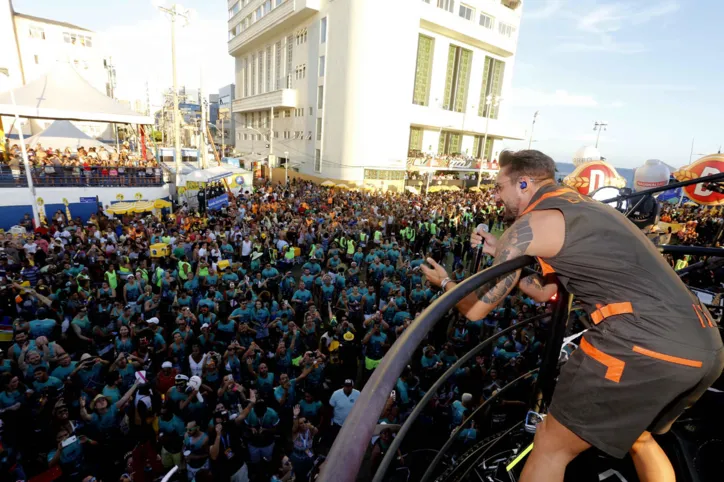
(654, 349)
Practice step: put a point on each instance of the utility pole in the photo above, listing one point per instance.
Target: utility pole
(532, 128)
(175, 11)
(202, 128)
(598, 126)
(491, 101)
(286, 167)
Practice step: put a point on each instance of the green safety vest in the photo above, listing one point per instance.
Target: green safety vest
(289, 254)
(350, 247)
(112, 279)
(144, 275)
(433, 229)
(181, 273)
(311, 251)
(362, 237)
(343, 243)
(159, 276)
(681, 264)
(378, 235)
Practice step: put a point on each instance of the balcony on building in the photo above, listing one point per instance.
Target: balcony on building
(282, 17)
(285, 98)
(498, 35)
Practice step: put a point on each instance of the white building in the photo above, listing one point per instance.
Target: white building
(354, 85)
(32, 46)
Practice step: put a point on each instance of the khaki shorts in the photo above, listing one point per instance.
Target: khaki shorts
(170, 460)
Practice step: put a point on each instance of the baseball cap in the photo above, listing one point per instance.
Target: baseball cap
(153, 321)
(166, 364)
(348, 336)
(467, 397)
(85, 356)
(348, 383)
(205, 325)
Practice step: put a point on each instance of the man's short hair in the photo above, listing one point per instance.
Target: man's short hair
(528, 163)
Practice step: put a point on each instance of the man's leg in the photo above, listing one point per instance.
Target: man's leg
(555, 446)
(651, 461)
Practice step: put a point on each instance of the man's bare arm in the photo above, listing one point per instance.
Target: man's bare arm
(513, 244)
(537, 288)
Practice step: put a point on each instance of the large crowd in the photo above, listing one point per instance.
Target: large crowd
(92, 165)
(234, 343)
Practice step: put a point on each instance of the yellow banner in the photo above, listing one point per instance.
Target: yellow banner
(675, 227)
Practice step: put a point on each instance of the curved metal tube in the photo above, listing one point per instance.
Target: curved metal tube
(487, 449)
(345, 457)
(420, 406)
(436, 460)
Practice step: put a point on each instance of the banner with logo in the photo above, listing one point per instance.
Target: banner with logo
(706, 166)
(218, 202)
(590, 176)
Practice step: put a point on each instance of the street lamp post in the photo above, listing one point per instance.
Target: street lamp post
(598, 126)
(532, 128)
(490, 102)
(26, 161)
(175, 11)
(286, 168)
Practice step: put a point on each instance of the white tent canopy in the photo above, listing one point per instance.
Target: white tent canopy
(61, 134)
(213, 173)
(63, 94)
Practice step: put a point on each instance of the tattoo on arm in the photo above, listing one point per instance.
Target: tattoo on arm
(533, 281)
(512, 244)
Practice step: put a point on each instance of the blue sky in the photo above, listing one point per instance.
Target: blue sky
(651, 68)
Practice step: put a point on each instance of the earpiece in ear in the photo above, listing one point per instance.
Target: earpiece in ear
(523, 184)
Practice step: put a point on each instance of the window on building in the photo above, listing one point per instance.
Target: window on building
(278, 2)
(493, 72)
(415, 143)
(258, 14)
(304, 71)
(319, 128)
(269, 69)
(309, 135)
(276, 114)
(244, 77)
(478, 150)
(66, 37)
(290, 47)
(311, 111)
(259, 72)
(449, 143)
(321, 66)
(486, 21)
(37, 32)
(423, 70)
(243, 136)
(466, 12)
(323, 31)
(37, 59)
(235, 9)
(267, 6)
(287, 113)
(252, 68)
(458, 76)
(276, 134)
(278, 64)
(505, 29)
(448, 5)
(320, 96)
(318, 160)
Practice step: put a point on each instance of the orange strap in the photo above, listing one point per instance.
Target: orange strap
(667, 358)
(545, 196)
(545, 267)
(614, 365)
(604, 312)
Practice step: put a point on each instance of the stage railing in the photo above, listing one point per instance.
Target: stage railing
(345, 457)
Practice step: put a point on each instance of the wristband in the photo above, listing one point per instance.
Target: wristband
(444, 283)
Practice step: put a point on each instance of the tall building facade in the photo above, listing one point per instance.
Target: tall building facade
(347, 89)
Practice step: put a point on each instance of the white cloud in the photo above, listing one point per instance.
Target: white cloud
(550, 8)
(526, 97)
(600, 43)
(657, 87)
(613, 17)
(617, 104)
(142, 52)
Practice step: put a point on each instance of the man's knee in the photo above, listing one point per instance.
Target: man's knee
(556, 441)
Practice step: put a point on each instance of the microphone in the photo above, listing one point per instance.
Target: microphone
(479, 254)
